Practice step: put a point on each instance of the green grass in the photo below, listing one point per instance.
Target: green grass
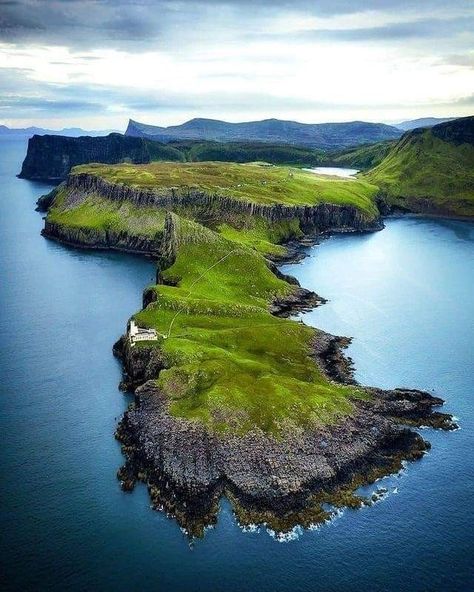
(230, 363)
(361, 157)
(98, 213)
(261, 235)
(253, 183)
(198, 151)
(423, 166)
(247, 182)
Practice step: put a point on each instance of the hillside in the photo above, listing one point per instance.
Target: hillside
(321, 135)
(124, 206)
(251, 183)
(361, 157)
(431, 170)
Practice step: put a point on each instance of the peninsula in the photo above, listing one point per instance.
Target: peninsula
(231, 396)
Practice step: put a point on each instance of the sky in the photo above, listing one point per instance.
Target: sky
(97, 63)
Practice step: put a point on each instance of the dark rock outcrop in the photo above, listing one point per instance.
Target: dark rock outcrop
(140, 363)
(187, 468)
(52, 157)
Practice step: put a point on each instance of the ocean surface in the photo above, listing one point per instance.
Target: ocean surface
(406, 296)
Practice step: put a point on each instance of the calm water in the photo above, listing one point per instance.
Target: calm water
(334, 171)
(405, 294)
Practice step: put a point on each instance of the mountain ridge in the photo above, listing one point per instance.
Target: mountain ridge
(411, 124)
(317, 135)
(29, 132)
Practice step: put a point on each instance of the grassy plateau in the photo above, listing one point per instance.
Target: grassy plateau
(255, 182)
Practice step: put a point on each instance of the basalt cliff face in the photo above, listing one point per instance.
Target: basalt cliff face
(52, 157)
(322, 217)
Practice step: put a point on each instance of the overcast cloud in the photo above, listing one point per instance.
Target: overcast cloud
(95, 63)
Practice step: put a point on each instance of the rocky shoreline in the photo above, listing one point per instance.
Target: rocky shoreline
(281, 482)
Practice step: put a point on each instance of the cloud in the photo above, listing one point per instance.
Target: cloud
(464, 60)
(142, 23)
(168, 60)
(418, 29)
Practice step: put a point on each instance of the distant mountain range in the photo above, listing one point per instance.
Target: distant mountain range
(28, 132)
(318, 135)
(422, 122)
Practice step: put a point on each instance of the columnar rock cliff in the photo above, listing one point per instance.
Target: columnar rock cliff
(52, 157)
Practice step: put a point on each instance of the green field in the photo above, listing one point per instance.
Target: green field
(257, 183)
(230, 363)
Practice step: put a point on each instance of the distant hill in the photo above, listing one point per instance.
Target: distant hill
(362, 157)
(430, 170)
(422, 122)
(28, 132)
(319, 135)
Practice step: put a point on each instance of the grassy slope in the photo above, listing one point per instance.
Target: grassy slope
(361, 157)
(248, 182)
(248, 152)
(231, 364)
(424, 166)
(98, 213)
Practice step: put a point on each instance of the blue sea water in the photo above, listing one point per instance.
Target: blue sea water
(406, 296)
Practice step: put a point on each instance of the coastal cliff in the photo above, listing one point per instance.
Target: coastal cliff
(93, 238)
(312, 218)
(88, 209)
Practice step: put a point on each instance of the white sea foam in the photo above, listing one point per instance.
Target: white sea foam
(286, 537)
(249, 527)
